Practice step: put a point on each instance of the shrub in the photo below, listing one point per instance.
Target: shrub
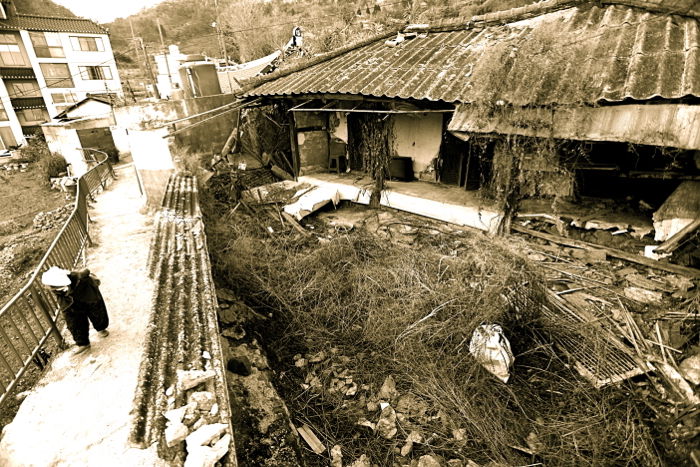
(52, 166)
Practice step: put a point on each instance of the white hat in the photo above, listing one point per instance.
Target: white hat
(55, 277)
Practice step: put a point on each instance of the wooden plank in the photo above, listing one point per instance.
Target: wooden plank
(682, 270)
(311, 439)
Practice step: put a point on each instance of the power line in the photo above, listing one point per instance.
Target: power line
(113, 59)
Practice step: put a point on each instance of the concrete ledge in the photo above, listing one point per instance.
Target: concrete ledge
(395, 197)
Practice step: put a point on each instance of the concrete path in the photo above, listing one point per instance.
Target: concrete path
(78, 414)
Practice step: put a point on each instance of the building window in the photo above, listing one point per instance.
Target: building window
(87, 44)
(63, 97)
(95, 72)
(56, 75)
(32, 116)
(10, 52)
(20, 89)
(47, 44)
(7, 139)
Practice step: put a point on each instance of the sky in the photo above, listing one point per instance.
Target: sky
(105, 11)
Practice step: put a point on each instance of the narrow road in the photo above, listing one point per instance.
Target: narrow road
(79, 412)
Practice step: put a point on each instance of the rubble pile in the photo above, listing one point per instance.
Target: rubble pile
(52, 219)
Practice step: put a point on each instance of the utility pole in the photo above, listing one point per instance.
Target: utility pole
(141, 47)
(222, 40)
(166, 56)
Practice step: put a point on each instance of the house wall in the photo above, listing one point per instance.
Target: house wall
(75, 59)
(417, 136)
(64, 140)
(312, 139)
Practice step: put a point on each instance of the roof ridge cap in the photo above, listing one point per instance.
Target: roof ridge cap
(55, 17)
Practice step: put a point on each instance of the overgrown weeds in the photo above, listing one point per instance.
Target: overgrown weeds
(37, 151)
(381, 309)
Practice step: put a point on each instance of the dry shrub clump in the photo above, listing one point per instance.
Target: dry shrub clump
(409, 312)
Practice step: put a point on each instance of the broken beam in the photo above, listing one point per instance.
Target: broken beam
(682, 270)
(670, 245)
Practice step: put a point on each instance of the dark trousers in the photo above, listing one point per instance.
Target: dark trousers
(78, 315)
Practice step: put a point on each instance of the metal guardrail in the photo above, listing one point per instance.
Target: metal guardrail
(29, 318)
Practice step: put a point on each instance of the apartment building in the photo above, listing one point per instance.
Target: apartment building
(46, 65)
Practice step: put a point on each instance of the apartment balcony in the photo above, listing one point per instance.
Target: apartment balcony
(20, 103)
(7, 72)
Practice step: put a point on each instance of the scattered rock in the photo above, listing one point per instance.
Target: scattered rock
(226, 295)
(411, 405)
(191, 378)
(352, 390)
(386, 426)
(178, 415)
(235, 332)
(388, 390)
(690, 369)
(336, 456)
(204, 400)
(51, 219)
(643, 295)
(205, 435)
(367, 423)
(205, 456)
(428, 461)
(175, 433)
(363, 461)
(413, 437)
(318, 357)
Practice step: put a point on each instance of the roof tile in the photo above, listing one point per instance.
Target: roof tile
(51, 24)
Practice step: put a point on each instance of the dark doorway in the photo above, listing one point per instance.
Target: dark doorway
(101, 139)
(460, 163)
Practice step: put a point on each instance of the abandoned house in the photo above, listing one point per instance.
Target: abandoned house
(586, 113)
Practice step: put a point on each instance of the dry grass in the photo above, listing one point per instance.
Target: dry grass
(410, 312)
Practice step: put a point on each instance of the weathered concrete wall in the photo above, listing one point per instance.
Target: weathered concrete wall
(153, 162)
(417, 136)
(207, 137)
(312, 139)
(313, 150)
(64, 141)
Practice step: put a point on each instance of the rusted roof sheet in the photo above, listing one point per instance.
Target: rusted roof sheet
(51, 24)
(585, 54)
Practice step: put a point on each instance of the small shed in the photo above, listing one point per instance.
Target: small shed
(88, 124)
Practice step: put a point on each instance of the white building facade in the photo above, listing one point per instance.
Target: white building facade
(46, 65)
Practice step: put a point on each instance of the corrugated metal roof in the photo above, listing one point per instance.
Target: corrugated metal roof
(51, 24)
(585, 54)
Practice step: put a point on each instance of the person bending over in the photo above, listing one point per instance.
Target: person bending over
(81, 303)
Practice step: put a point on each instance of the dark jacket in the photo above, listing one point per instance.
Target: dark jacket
(83, 289)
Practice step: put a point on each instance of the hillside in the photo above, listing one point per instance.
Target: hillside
(42, 7)
(251, 29)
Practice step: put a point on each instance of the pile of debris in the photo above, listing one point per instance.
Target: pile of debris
(52, 219)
